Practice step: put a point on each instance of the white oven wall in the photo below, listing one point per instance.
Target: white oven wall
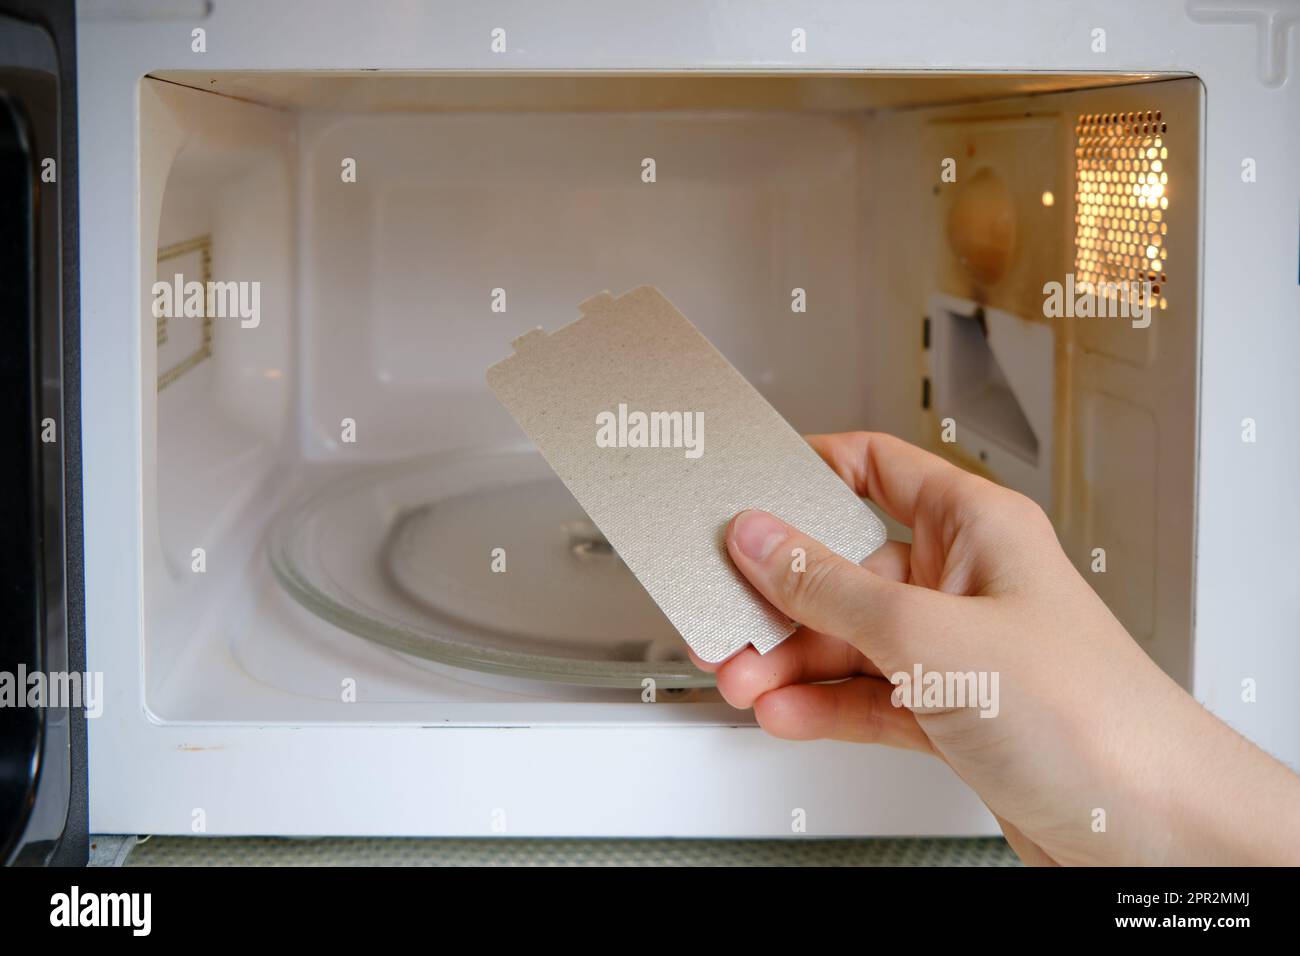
(148, 774)
(214, 438)
(401, 268)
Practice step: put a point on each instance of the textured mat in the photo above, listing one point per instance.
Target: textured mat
(232, 851)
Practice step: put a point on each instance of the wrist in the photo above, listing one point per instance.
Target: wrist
(1212, 798)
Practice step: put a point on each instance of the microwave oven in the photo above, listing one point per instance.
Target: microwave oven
(289, 505)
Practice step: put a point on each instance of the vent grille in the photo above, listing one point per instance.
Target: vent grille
(197, 254)
(1121, 204)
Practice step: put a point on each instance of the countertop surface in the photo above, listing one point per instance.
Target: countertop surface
(398, 851)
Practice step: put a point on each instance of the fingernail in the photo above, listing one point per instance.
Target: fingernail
(757, 533)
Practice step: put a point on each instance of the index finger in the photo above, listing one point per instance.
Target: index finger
(883, 468)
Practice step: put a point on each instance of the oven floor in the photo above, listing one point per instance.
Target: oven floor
(396, 851)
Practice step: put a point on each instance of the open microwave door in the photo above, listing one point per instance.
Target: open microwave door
(42, 652)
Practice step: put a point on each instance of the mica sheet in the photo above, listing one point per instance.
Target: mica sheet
(666, 513)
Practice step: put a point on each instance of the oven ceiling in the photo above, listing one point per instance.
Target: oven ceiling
(372, 91)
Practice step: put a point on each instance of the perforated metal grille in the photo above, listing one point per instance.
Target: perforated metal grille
(1121, 204)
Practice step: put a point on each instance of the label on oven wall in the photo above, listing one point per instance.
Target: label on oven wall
(662, 442)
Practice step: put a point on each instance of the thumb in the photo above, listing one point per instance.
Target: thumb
(816, 587)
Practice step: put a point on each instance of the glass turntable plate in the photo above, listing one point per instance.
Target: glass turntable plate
(408, 556)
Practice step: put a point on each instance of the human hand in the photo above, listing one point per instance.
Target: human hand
(1084, 721)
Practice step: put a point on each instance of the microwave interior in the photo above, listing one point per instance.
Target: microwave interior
(328, 483)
